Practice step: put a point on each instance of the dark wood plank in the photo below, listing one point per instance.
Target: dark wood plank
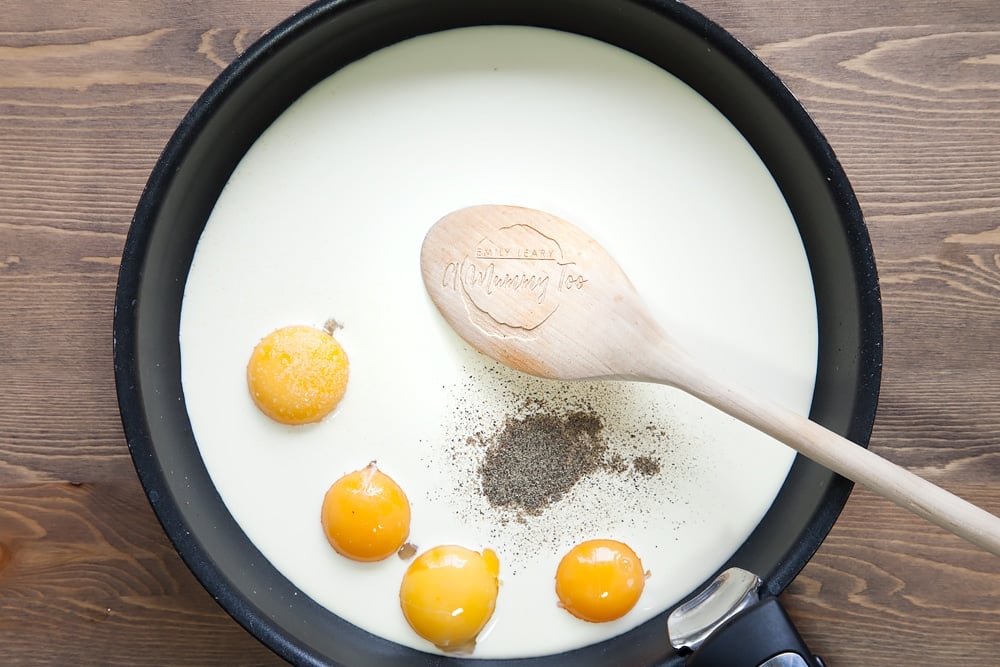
(908, 94)
(88, 577)
(88, 98)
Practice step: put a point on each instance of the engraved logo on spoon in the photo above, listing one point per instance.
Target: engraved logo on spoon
(513, 276)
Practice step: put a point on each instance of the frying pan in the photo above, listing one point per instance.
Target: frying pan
(259, 85)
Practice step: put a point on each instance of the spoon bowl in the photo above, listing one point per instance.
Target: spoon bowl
(536, 293)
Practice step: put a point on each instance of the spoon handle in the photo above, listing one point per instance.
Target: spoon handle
(833, 451)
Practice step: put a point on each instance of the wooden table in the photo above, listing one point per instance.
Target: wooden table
(907, 92)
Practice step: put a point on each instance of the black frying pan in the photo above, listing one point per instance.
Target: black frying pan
(330, 34)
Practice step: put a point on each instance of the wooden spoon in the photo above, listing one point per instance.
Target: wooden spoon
(537, 294)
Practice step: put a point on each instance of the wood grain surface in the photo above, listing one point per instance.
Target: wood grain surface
(906, 91)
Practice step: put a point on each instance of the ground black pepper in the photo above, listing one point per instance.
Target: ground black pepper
(646, 465)
(532, 465)
(534, 459)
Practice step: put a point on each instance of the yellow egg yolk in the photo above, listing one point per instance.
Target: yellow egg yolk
(297, 374)
(599, 580)
(366, 515)
(448, 595)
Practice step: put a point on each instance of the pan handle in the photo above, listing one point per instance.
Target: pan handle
(760, 636)
(728, 624)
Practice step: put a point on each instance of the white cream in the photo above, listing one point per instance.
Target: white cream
(324, 218)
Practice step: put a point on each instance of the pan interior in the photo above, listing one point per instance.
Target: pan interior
(324, 217)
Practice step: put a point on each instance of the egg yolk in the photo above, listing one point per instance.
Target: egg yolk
(448, 595)
(599, 580)
(366, 515)
(297, 374)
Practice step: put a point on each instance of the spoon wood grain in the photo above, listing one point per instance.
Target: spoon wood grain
(539, 295)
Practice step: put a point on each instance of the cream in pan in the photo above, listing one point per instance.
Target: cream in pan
(324, 218)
